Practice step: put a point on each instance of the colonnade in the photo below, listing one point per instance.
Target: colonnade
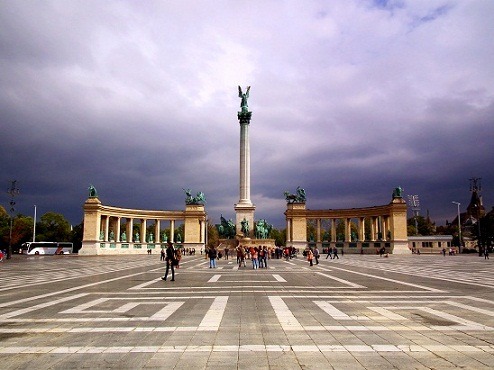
(378, 229)
(110, 230)
(378, 226)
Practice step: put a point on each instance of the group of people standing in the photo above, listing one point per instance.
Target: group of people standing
(258, 255)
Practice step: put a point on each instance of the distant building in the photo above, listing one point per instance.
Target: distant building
(430, 244)
(469, 219)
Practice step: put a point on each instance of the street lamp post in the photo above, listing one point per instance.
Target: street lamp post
(34, 225)
(13, 191)
(414, 202)
(459, 226)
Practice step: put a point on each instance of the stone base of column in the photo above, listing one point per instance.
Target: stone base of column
(401, 247)
(89, 248)
(244, 211)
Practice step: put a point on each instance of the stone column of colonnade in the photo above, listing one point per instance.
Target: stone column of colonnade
(289, 236)
(318, 230)
(333, 230)
(117, 233)
(107, 228)
(373, 228)
(157, 231)
(361, 228)
(172, 231)
(130, 227)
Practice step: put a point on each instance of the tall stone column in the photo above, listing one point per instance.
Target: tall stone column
(318, 230)
(107, 228)
(157, 236)
(172, 231)
(333, 230)
(244, 209)
(117, 233)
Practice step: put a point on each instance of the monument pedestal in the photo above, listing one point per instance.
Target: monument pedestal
(296, 235)
(244, 211)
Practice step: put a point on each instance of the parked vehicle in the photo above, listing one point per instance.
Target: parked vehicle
(47, 248)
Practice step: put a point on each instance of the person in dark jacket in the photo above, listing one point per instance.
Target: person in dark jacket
(170, 260)
(212, 257)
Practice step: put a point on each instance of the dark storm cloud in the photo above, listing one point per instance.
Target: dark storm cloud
(349, 100)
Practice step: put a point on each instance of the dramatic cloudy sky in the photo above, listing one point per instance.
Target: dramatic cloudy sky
(349, 98)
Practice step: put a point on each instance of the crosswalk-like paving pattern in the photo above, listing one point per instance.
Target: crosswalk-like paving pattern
(419, 312)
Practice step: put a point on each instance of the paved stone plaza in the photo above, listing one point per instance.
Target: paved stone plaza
(358, 312)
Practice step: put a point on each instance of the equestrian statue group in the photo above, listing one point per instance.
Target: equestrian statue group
(199, 199)
(298, 197)
(227, 230)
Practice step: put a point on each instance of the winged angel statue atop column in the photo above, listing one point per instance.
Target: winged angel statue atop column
(244, 97)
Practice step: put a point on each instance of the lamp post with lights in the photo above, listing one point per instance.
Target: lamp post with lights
(34, 225)
(414, 202)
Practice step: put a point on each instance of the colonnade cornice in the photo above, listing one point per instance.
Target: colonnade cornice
(374, 211)
(141, 213)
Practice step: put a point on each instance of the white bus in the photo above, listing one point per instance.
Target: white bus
(47, 248)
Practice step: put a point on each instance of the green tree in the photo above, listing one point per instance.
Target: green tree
(180, 230)
(340, 230)
(367, 232)
(77, 235)
(4, 228)
(486, 229)
(425, 226)
(22, 231)
(213, 236)
(53, 227)
(279, 236)
(311, 230)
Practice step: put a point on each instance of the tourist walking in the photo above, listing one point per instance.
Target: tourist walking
(486, 253)
(330, 252)
(310, 256)
(170, 261)
(253, 256)
(265, 257)
(178, 257)
(335, 253)
(212, 257)
(240, 256)
(260, 257)
(316, 255)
